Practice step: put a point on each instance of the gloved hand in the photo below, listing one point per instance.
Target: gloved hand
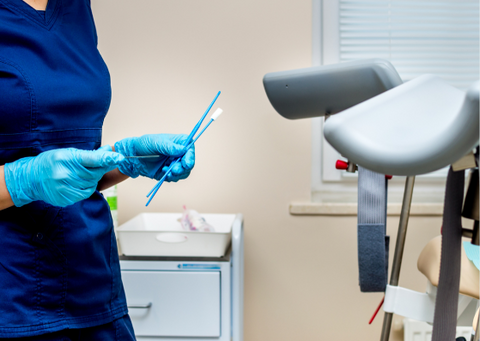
(168, 146)
(60, 177)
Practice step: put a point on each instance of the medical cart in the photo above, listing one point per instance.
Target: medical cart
(187, 298)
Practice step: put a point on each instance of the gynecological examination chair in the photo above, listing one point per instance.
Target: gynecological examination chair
(383, 126)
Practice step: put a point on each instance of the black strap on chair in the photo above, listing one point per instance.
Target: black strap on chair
(446, 305)
(373, 243)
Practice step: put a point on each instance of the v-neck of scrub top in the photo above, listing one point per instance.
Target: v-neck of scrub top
(45, 19)
(41, 13)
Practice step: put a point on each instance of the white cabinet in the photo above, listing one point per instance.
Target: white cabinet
(187, 298)
(174, 303)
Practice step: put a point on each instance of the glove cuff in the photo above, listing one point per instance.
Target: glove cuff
(127, 167)
(14, 179)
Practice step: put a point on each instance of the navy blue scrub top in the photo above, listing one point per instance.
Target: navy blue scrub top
(59, 267)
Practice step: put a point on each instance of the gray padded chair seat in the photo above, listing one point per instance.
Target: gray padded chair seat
(414, 128)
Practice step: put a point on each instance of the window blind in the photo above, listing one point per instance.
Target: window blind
(438, 37)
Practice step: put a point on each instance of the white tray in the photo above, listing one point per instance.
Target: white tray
(160, 234)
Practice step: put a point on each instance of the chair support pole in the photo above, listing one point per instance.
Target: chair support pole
(477, 330)
(399, 248)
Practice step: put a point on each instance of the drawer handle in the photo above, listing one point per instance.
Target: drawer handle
(140, 306)
(172, 237)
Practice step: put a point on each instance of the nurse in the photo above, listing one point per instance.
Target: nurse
(59, 268)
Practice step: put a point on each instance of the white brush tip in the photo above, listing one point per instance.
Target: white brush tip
(217, 113)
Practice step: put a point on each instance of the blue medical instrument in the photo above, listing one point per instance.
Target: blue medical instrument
(187, 143)
(189, 138)
(155, 189)
(199, 123)
(141, 156)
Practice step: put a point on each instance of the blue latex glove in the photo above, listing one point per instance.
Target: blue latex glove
(168, 146)
(60, 177)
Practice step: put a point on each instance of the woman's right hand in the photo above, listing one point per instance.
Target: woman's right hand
(60, 177)
(167, 146)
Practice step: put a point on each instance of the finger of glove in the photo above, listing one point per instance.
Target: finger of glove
(180, 139)
(188, 160)
(99, 158)
(176, 170)
(154, 144)
(67, 195)
(106, 148)
(170, 148)
(87, 177)
(91, 166)
(174, 178)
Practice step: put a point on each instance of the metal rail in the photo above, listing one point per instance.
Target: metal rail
(399, 248)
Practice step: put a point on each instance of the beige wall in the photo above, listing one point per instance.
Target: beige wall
(167, 60)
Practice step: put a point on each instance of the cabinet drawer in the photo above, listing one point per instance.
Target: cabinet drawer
(173, 303)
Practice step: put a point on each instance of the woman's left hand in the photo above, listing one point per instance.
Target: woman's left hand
(168, 146)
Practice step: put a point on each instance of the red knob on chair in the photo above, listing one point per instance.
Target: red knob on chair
(388, 177)
(341, 165)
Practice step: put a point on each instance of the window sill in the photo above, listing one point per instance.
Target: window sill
(350, 209)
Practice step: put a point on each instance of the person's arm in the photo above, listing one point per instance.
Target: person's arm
(164, 145)
(5, 198)
(111, 179)
(59, 177)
